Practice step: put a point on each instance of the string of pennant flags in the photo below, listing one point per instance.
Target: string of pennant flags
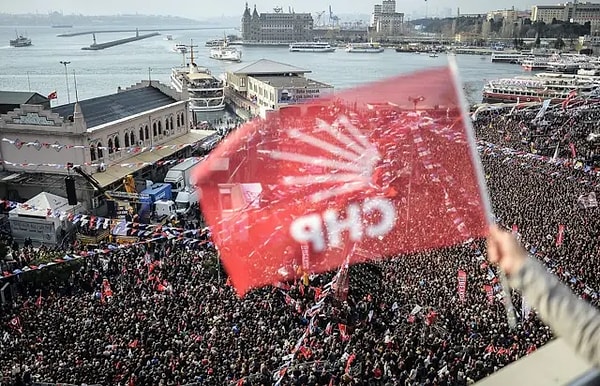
(91, 164)
(58, 147)
(181, 237)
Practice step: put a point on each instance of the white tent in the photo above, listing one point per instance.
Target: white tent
(40, 218)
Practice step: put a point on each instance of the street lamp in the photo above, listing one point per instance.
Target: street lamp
(64, 63)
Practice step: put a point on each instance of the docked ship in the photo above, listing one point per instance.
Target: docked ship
(538, 88)
(205, 92)
(20, 41)
(311, 47)
(226, 53)
(507, 57)
(364, 48)
(535, 63)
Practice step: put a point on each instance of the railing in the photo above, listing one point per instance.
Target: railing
(554, 364)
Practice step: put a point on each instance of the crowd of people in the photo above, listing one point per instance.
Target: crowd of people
(164, 312)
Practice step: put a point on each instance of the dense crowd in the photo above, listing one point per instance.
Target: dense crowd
(570, 129)
(163, 313)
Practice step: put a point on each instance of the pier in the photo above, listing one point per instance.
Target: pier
(71, 34)
(100, 46)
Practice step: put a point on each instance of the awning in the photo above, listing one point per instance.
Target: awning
(130, 165)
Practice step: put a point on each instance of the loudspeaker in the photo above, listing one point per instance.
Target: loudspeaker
(71, 193)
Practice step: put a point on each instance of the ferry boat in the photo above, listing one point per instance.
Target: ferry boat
(180, 48)
(226, 53)
(364, 48)
(216, 42)
(206, 92)
(311, 47)
(20, 41)
(534, 63)
(507, 57)
(538, 88)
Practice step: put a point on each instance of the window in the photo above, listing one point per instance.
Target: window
(126, 139)
(146, 133)
(117, 144)
(154, 133)
(171, 121)
(110, 146)
(141, 133)
(100, 151)
(93, 153)
(159, 128)
(178, 121)
(167, 125)
(132, 138)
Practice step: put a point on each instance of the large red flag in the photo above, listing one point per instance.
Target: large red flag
(389, 168)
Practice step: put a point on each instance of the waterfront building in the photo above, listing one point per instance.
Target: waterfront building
(255, 89)
(385, 20)
(278, 27)
(110, 136)
(574, 12)
(508, 15)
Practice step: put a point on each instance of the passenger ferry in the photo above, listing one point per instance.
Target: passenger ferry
(507, 57)
(206, 92)
(364, 48)
(226, 53)
(535, 63)
(543, 86)
(311, 47)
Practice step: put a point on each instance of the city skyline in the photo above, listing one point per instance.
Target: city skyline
(229, 8)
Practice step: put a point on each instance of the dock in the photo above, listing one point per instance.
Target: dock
(100, 46)
(71, 34)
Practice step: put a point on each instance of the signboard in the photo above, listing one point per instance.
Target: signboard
(37, 230)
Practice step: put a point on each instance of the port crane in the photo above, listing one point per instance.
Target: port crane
(319, 18)
(333, 19)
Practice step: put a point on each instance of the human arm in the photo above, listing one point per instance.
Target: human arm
(573, 319)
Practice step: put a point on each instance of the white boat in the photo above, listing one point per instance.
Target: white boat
(542, 86)
(507, 57)
(224, 52)
(535, 63)
(311, 47)
(216, 42)
(364, 48)
(206, 92)
(433, 55)
(180, 48)
(169, 37)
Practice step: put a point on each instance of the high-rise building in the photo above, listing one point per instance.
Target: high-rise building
(276, 28)
(385, 20)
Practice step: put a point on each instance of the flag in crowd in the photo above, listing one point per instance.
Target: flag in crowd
(353, 170)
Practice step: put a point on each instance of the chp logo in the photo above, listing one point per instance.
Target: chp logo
(348, 161)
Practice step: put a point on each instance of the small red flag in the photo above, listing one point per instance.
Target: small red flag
(53, 95)
(38, 302)
(389, 167)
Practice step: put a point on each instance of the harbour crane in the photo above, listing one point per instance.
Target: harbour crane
(333, 19)
(319, 16)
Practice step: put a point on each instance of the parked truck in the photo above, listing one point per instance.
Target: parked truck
(157, 198)
(185, 199)
(179, 176)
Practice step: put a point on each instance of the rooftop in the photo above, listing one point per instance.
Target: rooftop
(265, 67)
(110, 108)
(17, 97)
(291, 82)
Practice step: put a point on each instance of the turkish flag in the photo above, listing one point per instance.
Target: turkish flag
(53, 95)
(389, 168)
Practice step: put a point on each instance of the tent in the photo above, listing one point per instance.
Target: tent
(41, 218)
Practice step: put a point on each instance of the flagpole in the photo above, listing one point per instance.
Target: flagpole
(485, 198)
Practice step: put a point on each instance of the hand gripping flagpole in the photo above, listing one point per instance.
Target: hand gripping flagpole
(485, 199)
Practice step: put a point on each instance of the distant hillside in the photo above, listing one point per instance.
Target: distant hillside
(57, 18)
